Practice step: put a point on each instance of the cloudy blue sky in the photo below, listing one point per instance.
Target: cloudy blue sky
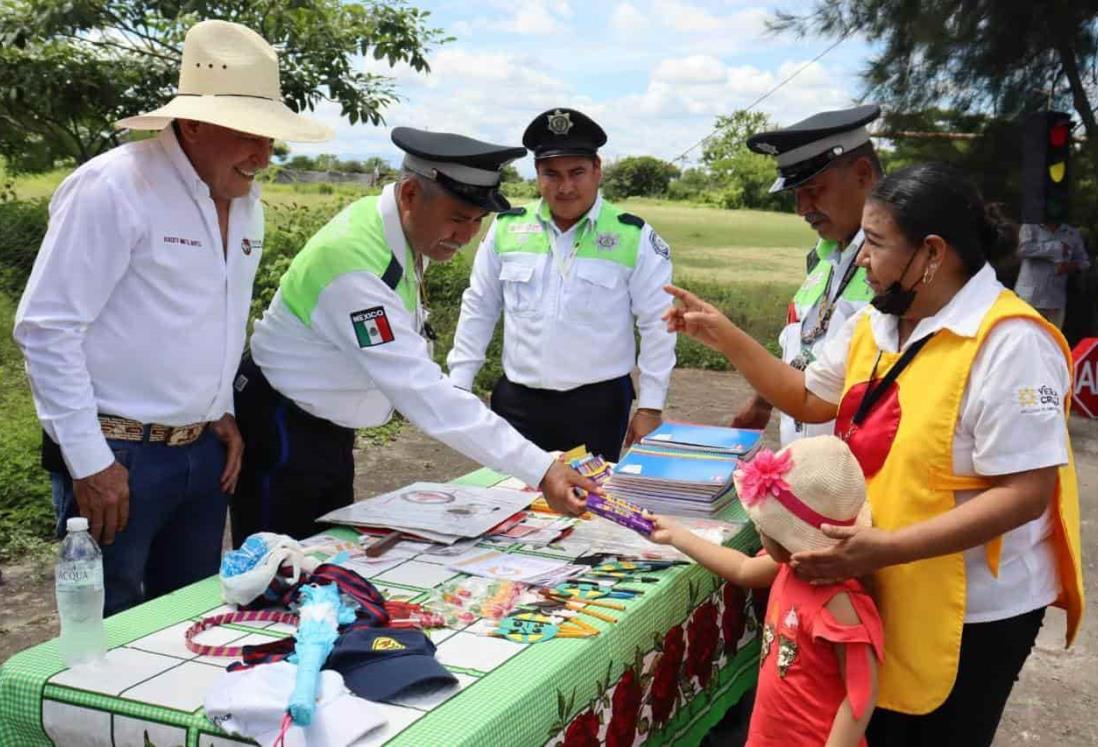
(653, 73)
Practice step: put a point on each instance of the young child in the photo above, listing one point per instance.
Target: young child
(820, 643)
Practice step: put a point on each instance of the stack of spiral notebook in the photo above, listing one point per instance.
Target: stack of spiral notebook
(683, 469)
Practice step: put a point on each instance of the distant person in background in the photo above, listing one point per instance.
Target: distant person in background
(829, 163)
(1050, 252)
(578, 281)
(133, 320)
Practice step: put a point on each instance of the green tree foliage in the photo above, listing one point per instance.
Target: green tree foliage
(1003, 58)
(70, 68)
(742, 178)
(637, 176)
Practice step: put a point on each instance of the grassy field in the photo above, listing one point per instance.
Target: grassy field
(719, 246)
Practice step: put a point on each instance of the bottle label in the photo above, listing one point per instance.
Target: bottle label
(80, 574)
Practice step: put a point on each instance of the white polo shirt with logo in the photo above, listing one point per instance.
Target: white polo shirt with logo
(134, 308)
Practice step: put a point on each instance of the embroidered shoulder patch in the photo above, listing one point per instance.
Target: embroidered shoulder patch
(659, 246)
(371, 327)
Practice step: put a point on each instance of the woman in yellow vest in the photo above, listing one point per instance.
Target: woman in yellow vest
(953, 394)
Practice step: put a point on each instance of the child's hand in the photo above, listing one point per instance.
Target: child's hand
(665, 530)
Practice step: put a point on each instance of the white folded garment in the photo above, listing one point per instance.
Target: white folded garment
(252, 702)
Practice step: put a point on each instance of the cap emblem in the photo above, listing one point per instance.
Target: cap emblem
(560, 123)
(767, 148)
(384, 643)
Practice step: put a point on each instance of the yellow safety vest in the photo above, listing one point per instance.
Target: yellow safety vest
(923, 603)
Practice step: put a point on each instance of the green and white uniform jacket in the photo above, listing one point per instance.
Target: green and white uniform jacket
(573, 302)
(342, 339)
(804, 312)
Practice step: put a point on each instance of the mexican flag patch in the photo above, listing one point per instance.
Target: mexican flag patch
(371, 327)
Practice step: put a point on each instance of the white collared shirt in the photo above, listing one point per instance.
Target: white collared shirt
(790, 337)
(134, 308)
(572, 322)
(996, 432)
(326, 372)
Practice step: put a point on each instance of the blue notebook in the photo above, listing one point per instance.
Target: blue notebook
(737, 441)
(648, 463)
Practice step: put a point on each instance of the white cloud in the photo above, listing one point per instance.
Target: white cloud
(534, 17)
(655, 85)
(693, 69)
(692, 19)
(627, 18)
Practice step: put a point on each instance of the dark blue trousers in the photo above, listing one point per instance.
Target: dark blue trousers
(596, 415)
(296, 468)
(176, 524)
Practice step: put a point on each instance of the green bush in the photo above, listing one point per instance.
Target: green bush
(526, 190)
(25, 504)
(22, 226)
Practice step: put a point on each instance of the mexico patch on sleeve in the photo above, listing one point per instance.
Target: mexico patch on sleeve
(371, 327)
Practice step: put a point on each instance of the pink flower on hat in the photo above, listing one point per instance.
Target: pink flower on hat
(763, 476)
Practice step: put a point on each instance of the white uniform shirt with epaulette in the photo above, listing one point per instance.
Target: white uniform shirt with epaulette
(570, 300)
(341, 339)
(818, 310)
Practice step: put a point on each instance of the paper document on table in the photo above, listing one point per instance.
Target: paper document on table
(437, 511)
(507, 566)
(606, 536)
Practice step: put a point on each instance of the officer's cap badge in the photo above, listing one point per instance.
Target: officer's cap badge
(560, 123)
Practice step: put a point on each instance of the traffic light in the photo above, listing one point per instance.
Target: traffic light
(1046, 167)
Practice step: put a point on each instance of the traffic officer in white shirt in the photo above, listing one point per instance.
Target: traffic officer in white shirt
(343, 343)
(574, 276)
(830, 164)
(133, 320)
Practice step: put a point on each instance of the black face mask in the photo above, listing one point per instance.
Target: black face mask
(895, 299)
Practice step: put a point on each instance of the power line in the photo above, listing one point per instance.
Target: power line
(760, 99)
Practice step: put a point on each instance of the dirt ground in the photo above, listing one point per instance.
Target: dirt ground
(1053, 703)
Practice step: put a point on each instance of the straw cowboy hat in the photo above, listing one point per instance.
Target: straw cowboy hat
(229, 77)
(811, 482)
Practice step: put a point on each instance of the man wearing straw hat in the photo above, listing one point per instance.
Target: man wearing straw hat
(133, 320)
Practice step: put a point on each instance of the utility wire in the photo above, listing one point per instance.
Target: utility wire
(772, 91)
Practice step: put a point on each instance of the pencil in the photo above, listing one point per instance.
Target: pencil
(379, 546)
(592, 613)
(592, 602)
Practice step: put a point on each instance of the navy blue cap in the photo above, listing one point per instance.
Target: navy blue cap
(466, 168)
(806, 148)
(563, 132)
(382, 663)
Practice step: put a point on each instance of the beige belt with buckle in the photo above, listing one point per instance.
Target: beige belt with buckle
(124, 429)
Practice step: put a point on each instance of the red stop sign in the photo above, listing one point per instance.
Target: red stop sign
(1085, 397)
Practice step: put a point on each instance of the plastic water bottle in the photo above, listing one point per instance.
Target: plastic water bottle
(79, 587)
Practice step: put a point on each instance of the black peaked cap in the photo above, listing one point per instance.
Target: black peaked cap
(563, 132)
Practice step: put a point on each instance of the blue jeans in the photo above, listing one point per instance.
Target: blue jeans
(176, 523)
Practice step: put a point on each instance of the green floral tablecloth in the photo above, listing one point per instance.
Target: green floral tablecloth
(677, 658)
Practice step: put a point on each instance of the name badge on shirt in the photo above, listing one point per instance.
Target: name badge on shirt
(524, 228)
